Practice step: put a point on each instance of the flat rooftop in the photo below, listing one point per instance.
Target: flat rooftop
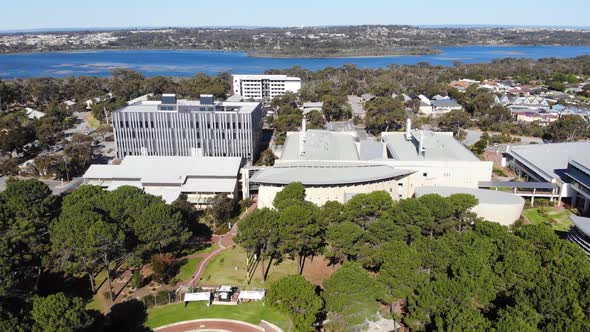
(550, 160)
(184, 105)
(438, 146)
(268, 77)
(166, 169)
(320, 145)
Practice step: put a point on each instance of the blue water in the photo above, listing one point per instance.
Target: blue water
(188, 63)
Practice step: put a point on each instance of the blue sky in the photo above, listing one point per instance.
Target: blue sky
(47, 14)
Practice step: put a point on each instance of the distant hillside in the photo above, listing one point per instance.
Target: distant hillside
(366, 40)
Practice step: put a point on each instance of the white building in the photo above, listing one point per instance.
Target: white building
(33, 113)
(565, 165)
(264, 87)
(337, 165)
(199, 178)
(170, 127)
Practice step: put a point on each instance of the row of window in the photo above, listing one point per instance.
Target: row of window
(192, 125)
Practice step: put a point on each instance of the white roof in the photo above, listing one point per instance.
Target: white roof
(252, 294)
(224, 288)
(200, 296)
(549, 160)
(320, 145)
(33, 114)
(266, 77)
(166, 169)
(325, 173)
(168, 177)
(439, 146)
(186, 105)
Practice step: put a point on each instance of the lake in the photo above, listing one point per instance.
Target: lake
(189, 62)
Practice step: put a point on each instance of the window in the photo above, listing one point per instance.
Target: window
(424, 174)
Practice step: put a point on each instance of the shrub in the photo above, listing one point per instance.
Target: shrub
(161, 265)
(222, 229)
(136, 279)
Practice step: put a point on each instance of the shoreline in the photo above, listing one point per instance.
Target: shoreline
(254, 54)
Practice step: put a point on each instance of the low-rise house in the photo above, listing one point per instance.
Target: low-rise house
(539, 117)
(311, 106)
(438, 106)
(33, 114)
(365, 97)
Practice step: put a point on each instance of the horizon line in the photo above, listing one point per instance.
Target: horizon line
(162, 27)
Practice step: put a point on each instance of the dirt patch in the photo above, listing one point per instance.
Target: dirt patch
(317, 270)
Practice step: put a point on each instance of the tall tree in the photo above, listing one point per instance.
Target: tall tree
(296, 297)
(259, 234)
(58, 312)
(301, 233)
(351, 297)
(292, 194)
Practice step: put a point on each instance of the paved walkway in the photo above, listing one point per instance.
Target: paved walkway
(223, 241)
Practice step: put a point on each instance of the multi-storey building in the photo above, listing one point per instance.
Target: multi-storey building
(171, 127)
(264, 87)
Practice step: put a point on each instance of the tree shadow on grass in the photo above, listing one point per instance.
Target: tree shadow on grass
(55, 282)
(127, 316)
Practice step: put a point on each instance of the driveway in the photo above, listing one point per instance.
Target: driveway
(357, 106)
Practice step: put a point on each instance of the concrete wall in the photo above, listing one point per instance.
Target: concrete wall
(321, 195)
(465, 174)
(504, 214)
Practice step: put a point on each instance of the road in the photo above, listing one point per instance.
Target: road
(211, 325)
(357, 106)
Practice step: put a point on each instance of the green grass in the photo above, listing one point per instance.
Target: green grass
(99, 302)
(92, 121)
(248, 312)
(558, 219)
(221, 270)
(188, 268)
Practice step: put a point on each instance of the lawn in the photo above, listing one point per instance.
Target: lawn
(99, 302)
(558, 219)
(92, 121)
(229, 268)
(249, 312)
(188, 268)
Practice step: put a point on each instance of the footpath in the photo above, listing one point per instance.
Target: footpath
(223, 242)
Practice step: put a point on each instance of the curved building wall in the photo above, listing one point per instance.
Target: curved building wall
(319, 195)
(498, 206)
(504, 214)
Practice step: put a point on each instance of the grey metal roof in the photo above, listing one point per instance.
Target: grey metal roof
(370, 150)
(444, 103)
(512, 184)
(325, 174)
(582, 223)
(166, 169)
(484, 196)
(439, 146)
(320, 145)
(549, 160)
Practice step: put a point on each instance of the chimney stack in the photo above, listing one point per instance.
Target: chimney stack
(302, 137)
(408, 129)
(421, 148)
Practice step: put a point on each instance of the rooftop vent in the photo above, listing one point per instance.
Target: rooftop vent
(168, 99)
(207, 100)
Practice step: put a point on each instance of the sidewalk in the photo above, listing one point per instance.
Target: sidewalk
(223, 241)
